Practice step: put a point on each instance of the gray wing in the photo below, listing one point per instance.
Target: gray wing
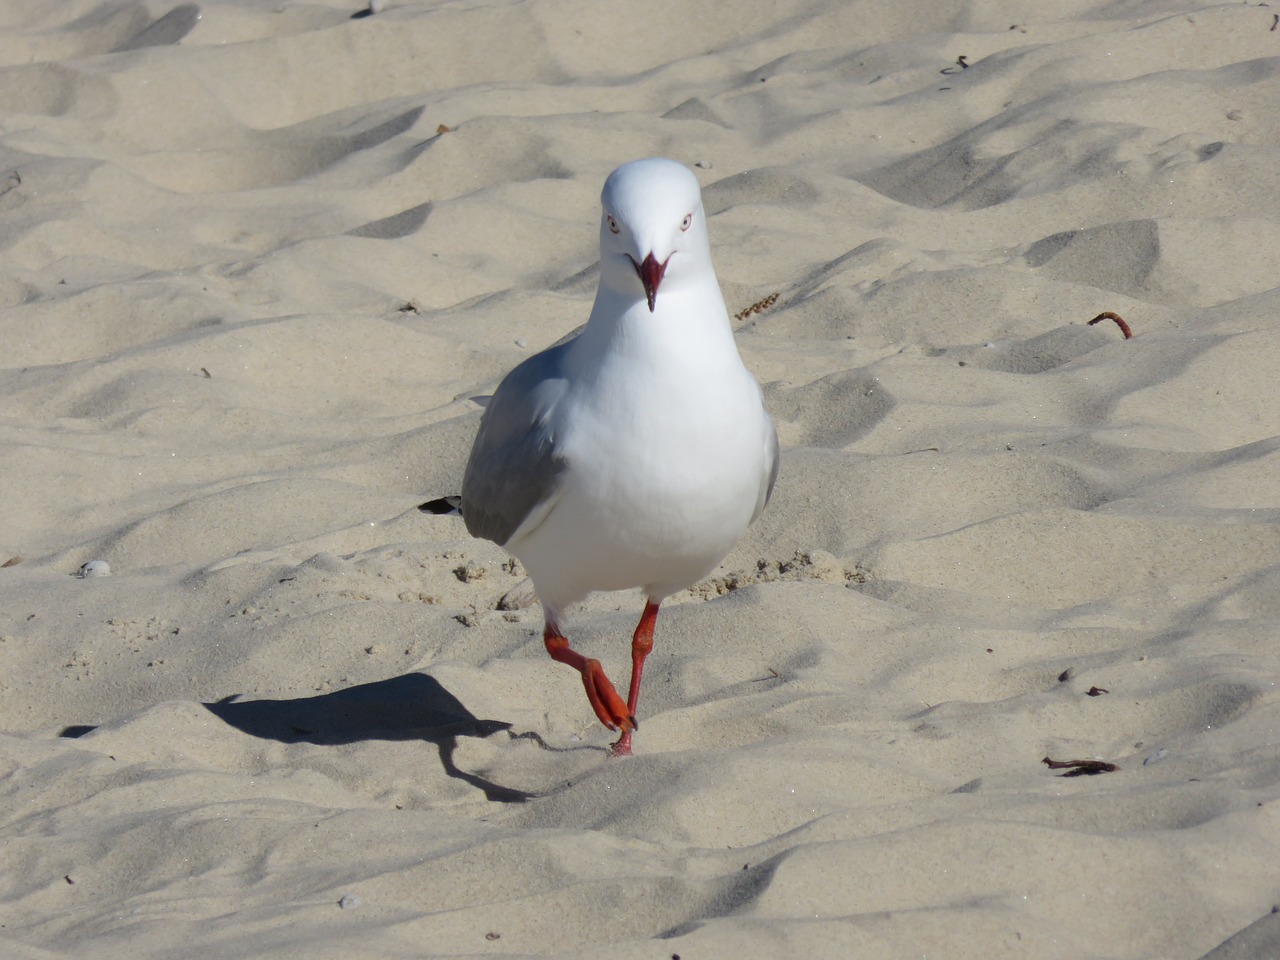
(515, 470)
(774, 462)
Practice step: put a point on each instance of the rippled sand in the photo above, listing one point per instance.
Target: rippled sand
(258, 257)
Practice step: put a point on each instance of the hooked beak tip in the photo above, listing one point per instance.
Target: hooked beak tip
(651, 272)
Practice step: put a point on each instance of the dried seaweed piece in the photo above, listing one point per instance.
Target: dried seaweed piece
(1119, 320)
(1096, 691)
(758, 307)
(1081, 768)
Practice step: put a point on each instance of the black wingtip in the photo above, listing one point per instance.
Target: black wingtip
(442, 506)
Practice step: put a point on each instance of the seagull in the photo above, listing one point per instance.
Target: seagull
(636, 454)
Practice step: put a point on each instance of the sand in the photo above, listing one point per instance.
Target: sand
(259, 255)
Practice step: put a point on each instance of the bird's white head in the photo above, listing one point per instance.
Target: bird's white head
(653, 232)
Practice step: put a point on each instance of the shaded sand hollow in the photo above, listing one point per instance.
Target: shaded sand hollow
(258, 255)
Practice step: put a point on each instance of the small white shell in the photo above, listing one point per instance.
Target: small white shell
(94, 568)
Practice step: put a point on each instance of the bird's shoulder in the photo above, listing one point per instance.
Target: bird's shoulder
(526, 395)
(516, 462)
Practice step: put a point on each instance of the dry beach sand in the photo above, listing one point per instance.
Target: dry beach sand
(258, 255)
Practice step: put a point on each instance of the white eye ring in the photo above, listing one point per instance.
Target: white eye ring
(687, 222)
(613, 225)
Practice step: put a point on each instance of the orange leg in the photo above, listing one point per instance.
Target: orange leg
(613, 713)
(641, 644)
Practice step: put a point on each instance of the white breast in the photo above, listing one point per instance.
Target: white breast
(667, 452)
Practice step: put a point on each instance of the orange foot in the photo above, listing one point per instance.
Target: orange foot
(609, 707)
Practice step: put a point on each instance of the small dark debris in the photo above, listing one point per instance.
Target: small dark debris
(493, 936)
(67, 877)
(444, 129)
(758, 307)
(1080, 768)
(1096, 691)
(1066, 674)
(1119, 322)
(206, 374)
(11, 562)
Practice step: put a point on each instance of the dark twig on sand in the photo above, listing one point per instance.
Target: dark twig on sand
(1080, 768)
(1108, 315)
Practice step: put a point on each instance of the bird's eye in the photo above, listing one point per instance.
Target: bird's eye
(613, 225)
(687, 222)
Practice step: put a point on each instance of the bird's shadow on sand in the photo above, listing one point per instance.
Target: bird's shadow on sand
(413, 706)
(410, 707)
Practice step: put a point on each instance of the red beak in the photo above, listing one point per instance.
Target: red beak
(650, 273)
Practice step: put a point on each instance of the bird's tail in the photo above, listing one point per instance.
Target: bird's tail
(443, 506)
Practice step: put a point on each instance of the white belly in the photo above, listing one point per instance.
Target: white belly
(652, 499)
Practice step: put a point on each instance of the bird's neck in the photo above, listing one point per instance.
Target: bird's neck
(689, 318)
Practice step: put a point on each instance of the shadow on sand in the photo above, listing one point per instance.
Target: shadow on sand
(410, 707)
